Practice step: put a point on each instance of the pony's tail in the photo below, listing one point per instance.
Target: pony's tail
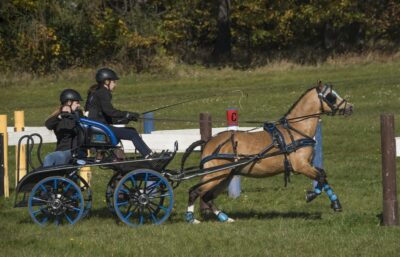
(190, 150)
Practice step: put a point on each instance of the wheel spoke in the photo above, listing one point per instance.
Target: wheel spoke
(160, 206)
(55, 184)
(160, 196)
(57, 221)
(152, 214)
(38, 211)
(151, 208)
(124, 191)
(154, 186)
(163, 208)
(123, 203)
(146, 177)
(133, 181)
(140, 184)
(40, 200)
(44, 220)
(43, 188)
(68, 218)
(129, 214)
(67, 188)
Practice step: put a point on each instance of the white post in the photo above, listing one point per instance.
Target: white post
(233, 124)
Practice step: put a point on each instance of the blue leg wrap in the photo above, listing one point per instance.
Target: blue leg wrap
(189, 217)
(222, 217)
(328, 190)
(317, 190)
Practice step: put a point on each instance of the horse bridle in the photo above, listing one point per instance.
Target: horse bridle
(329, 96)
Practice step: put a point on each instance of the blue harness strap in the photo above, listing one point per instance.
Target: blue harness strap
(279, 140)
(285, 149)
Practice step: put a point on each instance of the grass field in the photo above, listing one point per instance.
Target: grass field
(271, 220)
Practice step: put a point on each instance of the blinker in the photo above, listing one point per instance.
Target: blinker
(331, 98)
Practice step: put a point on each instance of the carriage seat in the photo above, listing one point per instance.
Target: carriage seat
(96, 135)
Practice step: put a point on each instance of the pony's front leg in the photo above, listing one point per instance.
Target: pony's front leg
(320, 179)
(335, 203)
(322, 184)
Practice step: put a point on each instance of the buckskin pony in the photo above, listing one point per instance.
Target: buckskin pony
(284, 146)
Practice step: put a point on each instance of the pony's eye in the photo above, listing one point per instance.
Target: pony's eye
(331, 98)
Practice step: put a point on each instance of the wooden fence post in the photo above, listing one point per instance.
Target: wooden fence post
(205, 133)
(388, 146)
(1, 165)
(205, 126)
(19, 126)
(3, 130)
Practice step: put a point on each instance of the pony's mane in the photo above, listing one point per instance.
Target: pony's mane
(295, 103)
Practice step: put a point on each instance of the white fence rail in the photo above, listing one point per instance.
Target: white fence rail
(157, 140)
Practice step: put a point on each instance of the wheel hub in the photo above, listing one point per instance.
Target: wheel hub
(56, 204)
(143, 199)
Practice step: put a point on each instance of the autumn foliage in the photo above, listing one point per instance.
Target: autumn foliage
(42, 36)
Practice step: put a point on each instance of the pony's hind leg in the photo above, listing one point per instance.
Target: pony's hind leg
(194, 193)
(210, 195)
(208, 189)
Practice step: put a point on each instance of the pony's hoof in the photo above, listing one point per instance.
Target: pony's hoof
(310, 195)
(336, 206)
(224, 218)
(189, 217)
(194, 221)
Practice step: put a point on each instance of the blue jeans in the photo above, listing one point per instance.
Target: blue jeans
(133, 135)
(57, 158)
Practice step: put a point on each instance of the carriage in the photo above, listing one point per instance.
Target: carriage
(140, 191)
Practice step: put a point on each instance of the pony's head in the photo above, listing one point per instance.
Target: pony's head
(331, 102)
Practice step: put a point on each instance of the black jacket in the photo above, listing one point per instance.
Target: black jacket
(101, 109)
(65, 129)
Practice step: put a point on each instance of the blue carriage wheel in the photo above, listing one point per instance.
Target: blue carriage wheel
(143, 196)
(56, 200)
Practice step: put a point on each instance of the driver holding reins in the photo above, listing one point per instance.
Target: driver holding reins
(100, 108)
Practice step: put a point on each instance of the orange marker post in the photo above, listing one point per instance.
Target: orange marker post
(19, 126)
(3, 130)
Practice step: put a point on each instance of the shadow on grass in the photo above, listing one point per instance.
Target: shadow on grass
(275, 215)
(102, 213)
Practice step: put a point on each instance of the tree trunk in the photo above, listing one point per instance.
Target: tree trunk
(222, 48)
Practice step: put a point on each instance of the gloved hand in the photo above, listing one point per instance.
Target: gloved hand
(132, 116)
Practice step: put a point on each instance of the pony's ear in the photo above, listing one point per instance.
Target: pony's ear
(319, 84)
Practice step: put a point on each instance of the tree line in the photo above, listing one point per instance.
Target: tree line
(43, 36)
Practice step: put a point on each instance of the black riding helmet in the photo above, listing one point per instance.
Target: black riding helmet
(104, 74)
(69, 94)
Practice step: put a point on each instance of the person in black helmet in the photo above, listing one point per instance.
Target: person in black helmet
(63, 122)
(100, 108)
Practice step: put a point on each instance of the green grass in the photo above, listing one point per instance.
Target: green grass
(271, 220)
